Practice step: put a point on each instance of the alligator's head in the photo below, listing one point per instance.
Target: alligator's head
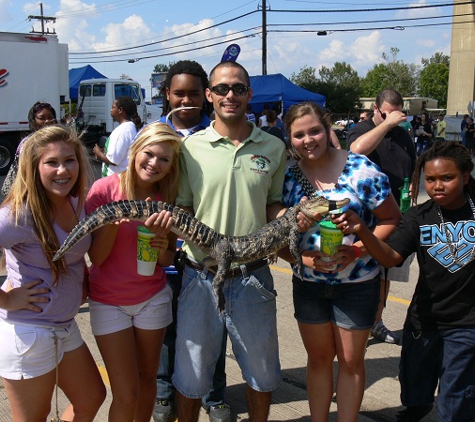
(321, 206)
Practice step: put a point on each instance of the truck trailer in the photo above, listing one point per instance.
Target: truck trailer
(33, 67)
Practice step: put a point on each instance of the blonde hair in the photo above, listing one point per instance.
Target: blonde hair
(28, 194)
(153, 134)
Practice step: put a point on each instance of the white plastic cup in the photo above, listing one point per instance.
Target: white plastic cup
(146, 256)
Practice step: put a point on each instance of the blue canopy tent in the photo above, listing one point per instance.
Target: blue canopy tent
(79, 74)
(270, 89)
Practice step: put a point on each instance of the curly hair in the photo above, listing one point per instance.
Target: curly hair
(187, 67)
(448, 150)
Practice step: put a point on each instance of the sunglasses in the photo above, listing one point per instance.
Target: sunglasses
(383, 115)
(42, 106)
(238, 89)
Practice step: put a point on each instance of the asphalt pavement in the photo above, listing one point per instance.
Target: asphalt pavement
(289, 401)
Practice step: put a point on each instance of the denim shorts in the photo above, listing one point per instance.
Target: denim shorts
(446, 359)
(249, 319)
(28, 351)
(351, 306)
(153, 314)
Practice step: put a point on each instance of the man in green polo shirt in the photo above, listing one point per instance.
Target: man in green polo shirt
(231, 179)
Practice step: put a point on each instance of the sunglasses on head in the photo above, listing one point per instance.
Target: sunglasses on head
(222, 89)
(42, 106)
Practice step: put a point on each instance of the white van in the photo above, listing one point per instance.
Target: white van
(96, 97)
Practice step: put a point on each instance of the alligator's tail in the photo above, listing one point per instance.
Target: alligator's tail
(110, 213)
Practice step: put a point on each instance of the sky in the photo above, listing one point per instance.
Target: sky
(108, 34)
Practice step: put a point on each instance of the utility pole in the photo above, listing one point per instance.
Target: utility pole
(264, 37)
(43, 19)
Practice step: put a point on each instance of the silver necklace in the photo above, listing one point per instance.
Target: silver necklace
(448, 236)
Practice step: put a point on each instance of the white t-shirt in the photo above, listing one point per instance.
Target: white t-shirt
(118, 146)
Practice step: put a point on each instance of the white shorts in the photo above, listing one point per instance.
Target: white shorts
(153, 314)
(28, 351)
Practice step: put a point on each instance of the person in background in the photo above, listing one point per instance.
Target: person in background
(438, 347)
(335, 302)
(130, 312)
(185, 86)
(424, 134)
(115, 154)
(39, 115)
(263, 118)
(236, 195)
(470, 135)
(271, 126)
(463, 129)
(407, 126)
(250, 114)
(365, 115)
(441, 127)
(389, 146)
(39, 300)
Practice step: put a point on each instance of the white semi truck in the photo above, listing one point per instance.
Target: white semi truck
(35, 67)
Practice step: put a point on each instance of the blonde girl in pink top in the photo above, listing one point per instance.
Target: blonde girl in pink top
(130, 312)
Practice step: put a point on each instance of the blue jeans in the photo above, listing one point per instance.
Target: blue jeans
(447, 357)
(249, 319)
(165, 388)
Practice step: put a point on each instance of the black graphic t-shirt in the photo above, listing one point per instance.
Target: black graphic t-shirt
(445, 293)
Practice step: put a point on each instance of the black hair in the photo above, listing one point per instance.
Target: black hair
(231, 64)
(391, 96)
(448, 150)
(38, 106)
(130, 109)
(187, 67)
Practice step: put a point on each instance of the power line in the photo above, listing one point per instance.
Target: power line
(381, 9)
(168, 39)
(166, 48)
(175, 52)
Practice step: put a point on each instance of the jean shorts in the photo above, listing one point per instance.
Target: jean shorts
(153, 314)
(351, 306)
(28, 351)
(250, 320)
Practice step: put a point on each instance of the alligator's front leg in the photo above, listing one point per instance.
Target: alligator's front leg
(294, 248)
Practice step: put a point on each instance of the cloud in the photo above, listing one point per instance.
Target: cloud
(72, 23)
(5, 7)
(419, 13)
(426, 42)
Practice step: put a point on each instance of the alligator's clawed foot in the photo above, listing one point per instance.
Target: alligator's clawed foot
(218, 292)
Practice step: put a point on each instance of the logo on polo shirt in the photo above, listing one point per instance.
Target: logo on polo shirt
(261, 164)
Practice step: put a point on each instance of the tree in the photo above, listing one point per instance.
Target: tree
(162, 69)
(434, 78)
(306, 79)
(393, 74)
(125, 76)
(340, 85)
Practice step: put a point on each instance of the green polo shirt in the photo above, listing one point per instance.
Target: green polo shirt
(229, 187)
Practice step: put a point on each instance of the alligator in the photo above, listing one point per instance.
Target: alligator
(222, 249)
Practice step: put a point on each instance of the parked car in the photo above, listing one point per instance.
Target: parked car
(344, 122)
